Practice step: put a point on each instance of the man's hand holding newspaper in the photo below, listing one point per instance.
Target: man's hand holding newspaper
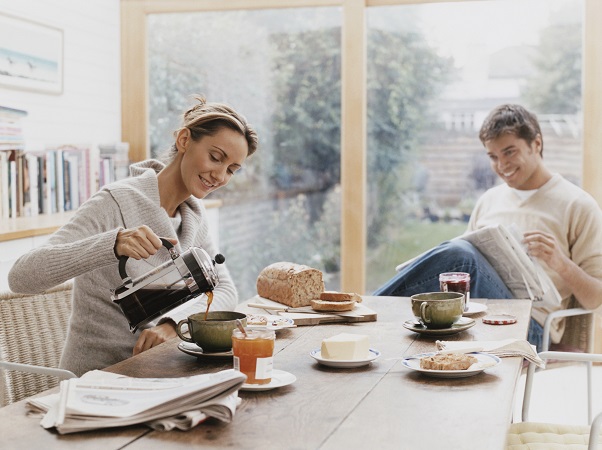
(524, 276)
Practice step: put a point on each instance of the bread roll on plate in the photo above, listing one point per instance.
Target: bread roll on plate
(450, 361)
(334, 296)
(324, 305)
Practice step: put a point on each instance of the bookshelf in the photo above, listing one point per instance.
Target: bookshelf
(21, 234)
(39, 187)
(25, 227)
(43, 224)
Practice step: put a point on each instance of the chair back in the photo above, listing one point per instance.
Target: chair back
(578, 331)
(33, 329)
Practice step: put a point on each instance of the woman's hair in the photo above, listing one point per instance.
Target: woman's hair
(206, 119)
(511, 119)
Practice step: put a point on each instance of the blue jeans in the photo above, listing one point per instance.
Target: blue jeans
(535, 336)
(422, 275)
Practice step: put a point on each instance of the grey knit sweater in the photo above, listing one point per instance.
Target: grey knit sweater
(82, 249)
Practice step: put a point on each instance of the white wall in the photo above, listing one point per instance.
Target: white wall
(89, 109)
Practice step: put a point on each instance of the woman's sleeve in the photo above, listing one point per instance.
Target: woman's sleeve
(85, 243)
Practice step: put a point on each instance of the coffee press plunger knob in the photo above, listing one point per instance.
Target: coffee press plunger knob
(219, 259)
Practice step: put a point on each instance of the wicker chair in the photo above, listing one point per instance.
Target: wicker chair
(33, 329)
(535, 435)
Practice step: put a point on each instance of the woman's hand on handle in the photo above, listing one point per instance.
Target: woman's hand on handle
(138, 243)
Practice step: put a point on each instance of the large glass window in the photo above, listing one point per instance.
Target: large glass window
(434, 72)
(281, 69)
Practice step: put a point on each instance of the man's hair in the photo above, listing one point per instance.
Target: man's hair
(511, 119)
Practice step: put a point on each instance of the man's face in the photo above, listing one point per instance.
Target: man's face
(516, 162)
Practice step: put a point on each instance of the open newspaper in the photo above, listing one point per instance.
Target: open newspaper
(525, 277)
(102, 400)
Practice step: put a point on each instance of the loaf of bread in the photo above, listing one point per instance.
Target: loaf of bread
(334, 296)
(324, 305)
(291, 284)
(449, 361)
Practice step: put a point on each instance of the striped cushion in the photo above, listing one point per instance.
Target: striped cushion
(547, 436)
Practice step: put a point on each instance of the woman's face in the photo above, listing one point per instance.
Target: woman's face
(209, 163)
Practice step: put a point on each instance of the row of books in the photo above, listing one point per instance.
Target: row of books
(57, 180)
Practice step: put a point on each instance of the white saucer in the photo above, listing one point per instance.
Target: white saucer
(317, 355)
(279, 378)
(463, 324)
(475, 308)
(194, 350)
(273, 322)
(486, 361)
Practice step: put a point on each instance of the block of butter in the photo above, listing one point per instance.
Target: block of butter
(346, 347)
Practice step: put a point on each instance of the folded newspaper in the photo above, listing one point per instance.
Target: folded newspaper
(501, 349)
(103, 400)
(525, 277)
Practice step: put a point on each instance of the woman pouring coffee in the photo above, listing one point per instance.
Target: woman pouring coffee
(129, 218)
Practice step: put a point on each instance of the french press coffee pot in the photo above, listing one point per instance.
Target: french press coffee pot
(171, 284)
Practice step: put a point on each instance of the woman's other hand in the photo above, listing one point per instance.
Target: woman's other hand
(138, 243)
(151, 337)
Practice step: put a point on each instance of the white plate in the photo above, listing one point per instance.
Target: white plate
(317, 355)
(279, 378)
(475, 308)
(274, 322)
(488, 361)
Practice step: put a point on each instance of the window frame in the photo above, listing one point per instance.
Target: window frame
(134, 105)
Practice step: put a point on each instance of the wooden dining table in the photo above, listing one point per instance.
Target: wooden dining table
(382, 405)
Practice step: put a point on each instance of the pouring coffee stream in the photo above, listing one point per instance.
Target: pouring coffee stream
(219, 259)
(188, 275)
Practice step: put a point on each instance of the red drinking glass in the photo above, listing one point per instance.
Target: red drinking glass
(456, 282)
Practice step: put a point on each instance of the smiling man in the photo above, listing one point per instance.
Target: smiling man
(560, 222)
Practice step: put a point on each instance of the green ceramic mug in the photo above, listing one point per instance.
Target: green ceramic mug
(438, 310)
(213, 334)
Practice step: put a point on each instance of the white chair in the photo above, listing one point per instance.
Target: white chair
(534, 435)
(579, 334)
(33, 329)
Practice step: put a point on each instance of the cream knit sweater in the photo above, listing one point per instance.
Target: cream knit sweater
(560, 208)
(82, 249)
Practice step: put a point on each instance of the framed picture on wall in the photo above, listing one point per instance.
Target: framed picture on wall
(31, 55)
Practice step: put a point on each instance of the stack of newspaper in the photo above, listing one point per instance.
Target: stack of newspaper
(102, 400)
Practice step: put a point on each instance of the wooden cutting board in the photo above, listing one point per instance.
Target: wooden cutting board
(300, 319)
